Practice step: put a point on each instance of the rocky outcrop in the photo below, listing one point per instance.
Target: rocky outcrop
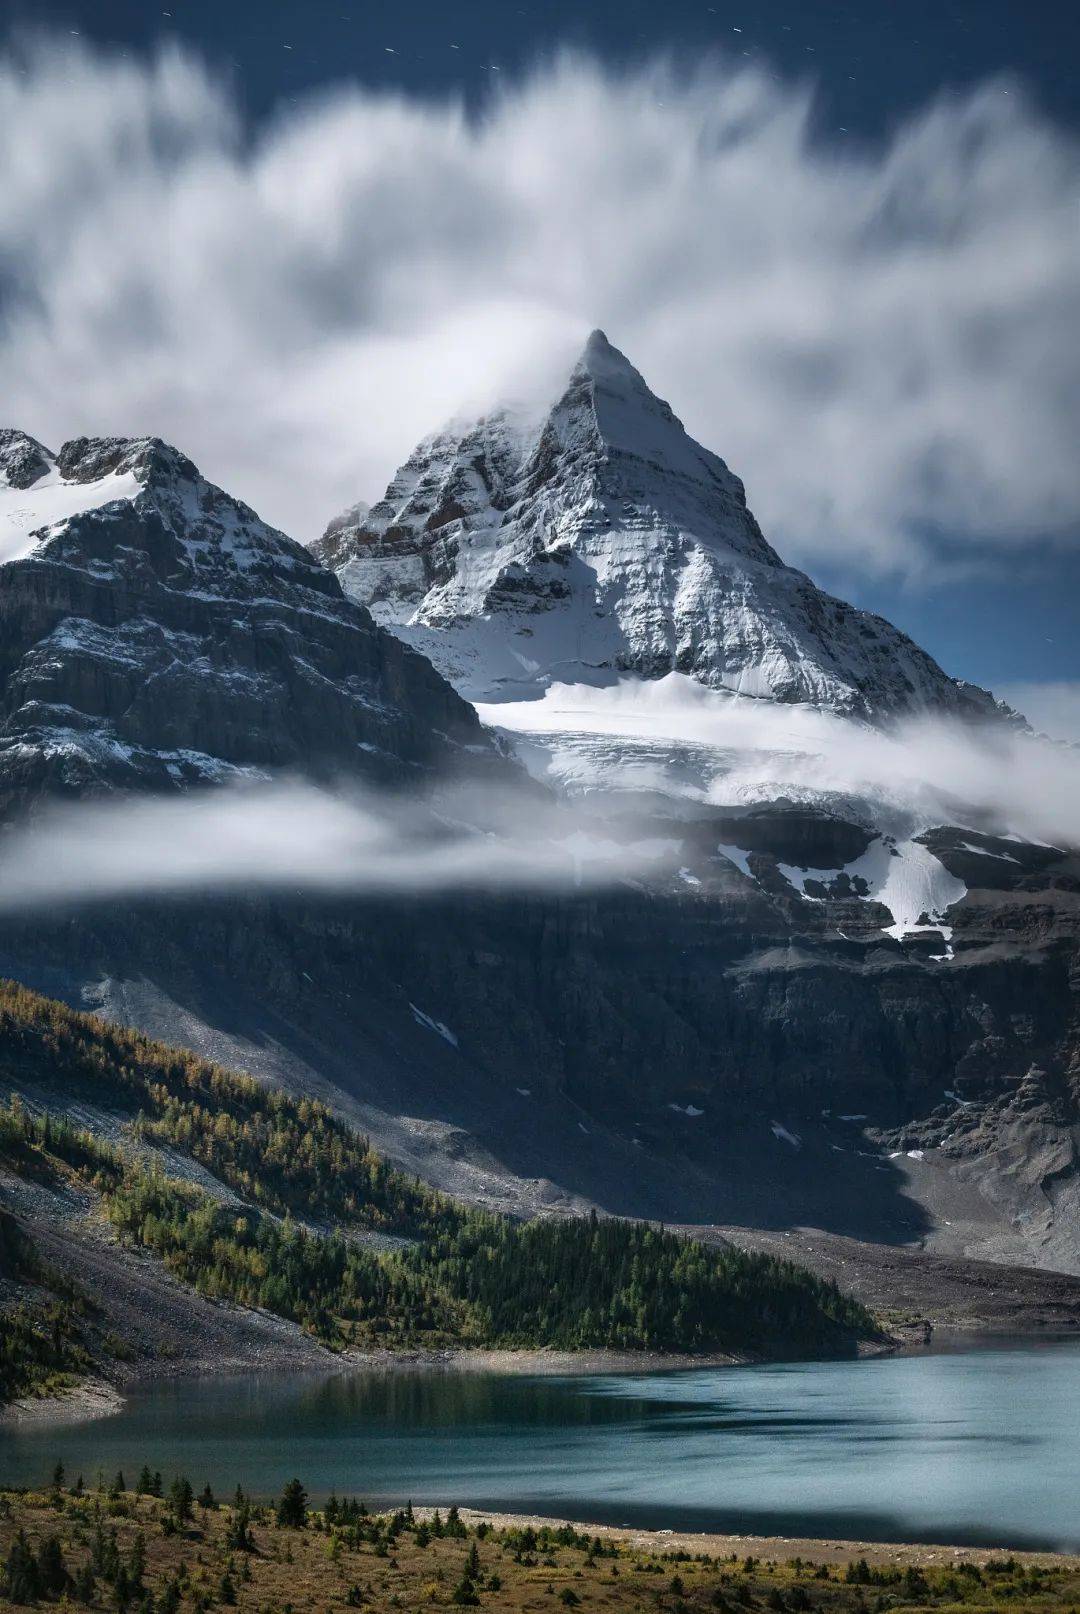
(154, 633)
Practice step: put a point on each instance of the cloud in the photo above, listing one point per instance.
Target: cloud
(918, 775)
(1052, 707)
(882, 342)
(292, 836)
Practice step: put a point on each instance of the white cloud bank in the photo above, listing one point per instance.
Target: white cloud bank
(920, 774)
(882, 343)
(292, 836)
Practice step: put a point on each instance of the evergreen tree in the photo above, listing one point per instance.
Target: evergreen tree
(238, 1537)
(292, 1506)
(53, 1577)
(85, 1584)
(137, 1561)
(182, 1499)
(21, 1571)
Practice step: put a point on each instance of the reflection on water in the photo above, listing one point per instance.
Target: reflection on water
(975, 1448)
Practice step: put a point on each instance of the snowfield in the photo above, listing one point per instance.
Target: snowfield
(26, 513)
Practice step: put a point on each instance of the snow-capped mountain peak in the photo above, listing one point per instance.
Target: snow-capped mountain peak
(601, 541)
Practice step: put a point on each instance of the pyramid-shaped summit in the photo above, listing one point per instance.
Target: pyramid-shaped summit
(604, 541)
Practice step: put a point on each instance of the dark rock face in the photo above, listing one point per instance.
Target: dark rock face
(639, 1049)
(794, 834)
(166, 636)
(23, 460)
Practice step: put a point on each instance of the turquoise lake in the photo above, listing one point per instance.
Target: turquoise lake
(979, 1447)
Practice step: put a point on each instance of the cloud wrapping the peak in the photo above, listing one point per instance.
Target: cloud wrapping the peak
(881, 343)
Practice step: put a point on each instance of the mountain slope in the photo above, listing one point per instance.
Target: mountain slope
(154, 633)
(605, 541)
(253, 1197)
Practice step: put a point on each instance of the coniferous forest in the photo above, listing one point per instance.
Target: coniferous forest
(306, 1193)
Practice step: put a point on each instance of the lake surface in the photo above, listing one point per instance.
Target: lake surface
(981, 1447)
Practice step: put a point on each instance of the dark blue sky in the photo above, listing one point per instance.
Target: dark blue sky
(872, 62)
(873, 59)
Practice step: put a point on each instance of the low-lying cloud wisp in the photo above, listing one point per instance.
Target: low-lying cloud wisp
(292, 836)
(919, 773)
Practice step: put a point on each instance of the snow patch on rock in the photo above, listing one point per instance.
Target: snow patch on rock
(431, 1024)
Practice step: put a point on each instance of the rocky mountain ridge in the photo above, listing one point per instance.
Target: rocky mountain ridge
(155, 633)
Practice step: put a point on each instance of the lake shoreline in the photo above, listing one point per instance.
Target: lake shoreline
(84, 1402)
(97, 1397)
(718, 1545)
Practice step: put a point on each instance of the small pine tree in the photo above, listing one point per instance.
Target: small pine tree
(182, 1498)
(53, 1577)
(123, 1590)
(292, 1506)
(169, 1601)
(238, 1537)
(85, 1584)
(464, 1593)
(137, 1561)
(21, 1571)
